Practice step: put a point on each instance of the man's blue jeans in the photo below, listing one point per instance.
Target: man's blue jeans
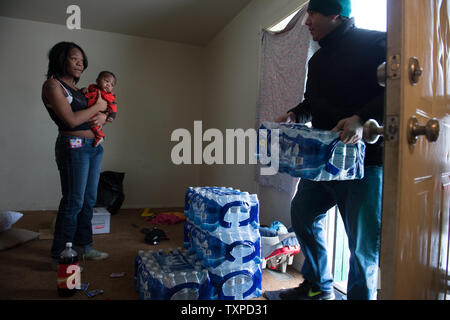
(359, 202)
(79, 170)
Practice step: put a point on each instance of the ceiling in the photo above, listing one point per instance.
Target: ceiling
(193, 22)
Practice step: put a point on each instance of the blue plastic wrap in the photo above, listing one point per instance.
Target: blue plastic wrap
(312, 154)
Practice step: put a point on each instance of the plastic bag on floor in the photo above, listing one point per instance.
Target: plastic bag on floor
(110, 191)
(8, 218)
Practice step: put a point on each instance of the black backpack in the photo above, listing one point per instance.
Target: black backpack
(110, 191)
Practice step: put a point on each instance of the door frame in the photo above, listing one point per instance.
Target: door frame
(392, 147)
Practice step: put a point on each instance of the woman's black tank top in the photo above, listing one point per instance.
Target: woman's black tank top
(79, 102)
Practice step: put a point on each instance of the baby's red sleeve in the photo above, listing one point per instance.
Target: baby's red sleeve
(91, 95)
(113, 103)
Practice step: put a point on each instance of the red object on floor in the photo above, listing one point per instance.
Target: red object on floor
(285, 250)
(165, 218)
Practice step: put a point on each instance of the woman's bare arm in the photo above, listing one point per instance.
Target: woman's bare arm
(53, 93)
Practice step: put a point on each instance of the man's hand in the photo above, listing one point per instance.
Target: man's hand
(352, 129)
(286, 118)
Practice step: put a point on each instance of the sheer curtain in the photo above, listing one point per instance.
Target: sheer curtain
(284, 57)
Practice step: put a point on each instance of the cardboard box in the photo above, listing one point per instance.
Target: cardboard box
(101, 221)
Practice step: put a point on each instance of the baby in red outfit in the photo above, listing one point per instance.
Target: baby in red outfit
(105, 83)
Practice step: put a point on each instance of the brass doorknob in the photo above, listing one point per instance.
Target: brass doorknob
(415, 71)
(372, 131)
(430, 130)
(381, 74)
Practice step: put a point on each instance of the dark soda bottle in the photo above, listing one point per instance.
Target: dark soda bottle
(69, 279)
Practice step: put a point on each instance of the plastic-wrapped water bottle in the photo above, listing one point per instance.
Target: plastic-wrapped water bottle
(254, 211)
(193, 205)
(221, 200)
(188, 236)
(137, 266)
(338, 158)
(251, 272)
(144, 293)
(151, 282)
(350, 156)
(192, 276)
(215, 252)
(242, 285)
(195, 249)
(233, 214)
(228, 287)
(159, 289)
(141, 275)
(169, 280)
(211, 214)
(187, 200)
(179, 279)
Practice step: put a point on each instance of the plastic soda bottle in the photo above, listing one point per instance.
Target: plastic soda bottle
(69, 278)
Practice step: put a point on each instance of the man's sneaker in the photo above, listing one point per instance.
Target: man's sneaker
(306, 291)
(95, 255)
(89, 254)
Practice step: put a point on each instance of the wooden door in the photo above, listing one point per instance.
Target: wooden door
(414, 260)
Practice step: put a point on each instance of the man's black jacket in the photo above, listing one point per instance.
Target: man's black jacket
(342, 81)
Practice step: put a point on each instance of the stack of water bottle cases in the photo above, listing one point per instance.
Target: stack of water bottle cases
(221, 258)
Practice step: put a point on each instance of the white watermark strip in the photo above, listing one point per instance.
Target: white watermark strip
(74, 20)
(213, 153)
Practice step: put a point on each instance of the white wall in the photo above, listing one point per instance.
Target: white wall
(159, 89)
(161, 86)
(232, 74)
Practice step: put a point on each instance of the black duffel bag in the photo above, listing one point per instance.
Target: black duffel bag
(110, 191)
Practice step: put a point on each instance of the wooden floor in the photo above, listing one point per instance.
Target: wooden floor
(25, 271)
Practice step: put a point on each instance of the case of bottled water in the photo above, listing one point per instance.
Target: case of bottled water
(171, 275)
(222, 231)
(211, 207)
(222, 254)
(312, 153)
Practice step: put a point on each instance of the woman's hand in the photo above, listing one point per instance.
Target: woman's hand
(100, 104)
(98, 120)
